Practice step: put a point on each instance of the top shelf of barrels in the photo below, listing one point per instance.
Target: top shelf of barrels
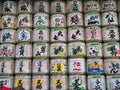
(57, 6)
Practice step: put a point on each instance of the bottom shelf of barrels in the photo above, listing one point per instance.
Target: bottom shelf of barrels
(60, 74)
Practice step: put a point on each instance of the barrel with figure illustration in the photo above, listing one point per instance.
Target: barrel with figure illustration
(23, 50)
(77, 82)
(40, 66)
(110, 33)
(96, 82)
(9, 7)
(76, 66)
(23, 66)
(58, 35)
(41, 20)
(111, 66)
(111, 49)
(24, 35)
(6, 82)
(41, 50)
(24, 21)
(25, 6)
(94, 50)
(40, 82)
(109, 18)
(76, 33)
(41, 34)
(93, 34)
(22, 82)
(41, 6)
(8, 36)
(58, 66)
(113, 82)
(7, 51)
(95, 66)
(75, 19)
(91, 5)
(59, 82)
(6, 67)
(8, 21)
(76, 49)
(58, 6)
(58, 20)
(108, 5)
(74, 6)
(58, 50)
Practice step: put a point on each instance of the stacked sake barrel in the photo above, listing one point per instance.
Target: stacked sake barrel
(22, 78)
(58, 46)
(76, 45)
(7, 43)
(40, 64)
(93, 39)
(111, 45)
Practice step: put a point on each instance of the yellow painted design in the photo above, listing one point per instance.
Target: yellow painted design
(59, 67)
(19, 83)
(38, 83)
(58, 82)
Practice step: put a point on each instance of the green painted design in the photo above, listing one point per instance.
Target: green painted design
(94, 44)
(62, 53)
(93, 13)
(115, 77)
(58, 29)
(112, 43)
(41, 44)
(76, 87)
(97, 76)
(3, 77)
(40, 22)
(76, 50)
(40, 28)
(11, 54)
(58, 50)
(75, 27)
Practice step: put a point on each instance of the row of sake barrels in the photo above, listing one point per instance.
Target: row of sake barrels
(62, 82)
(10, 7)
(60, 50)
(76, 33)
(59, 20)
(71, 66)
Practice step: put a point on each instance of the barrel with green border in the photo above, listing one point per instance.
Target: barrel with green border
(76, 49)
(58, 35)
(41, 50)
(111, 49)
(41, 35)
(58, 50)
(76, 33)
(92, 19)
